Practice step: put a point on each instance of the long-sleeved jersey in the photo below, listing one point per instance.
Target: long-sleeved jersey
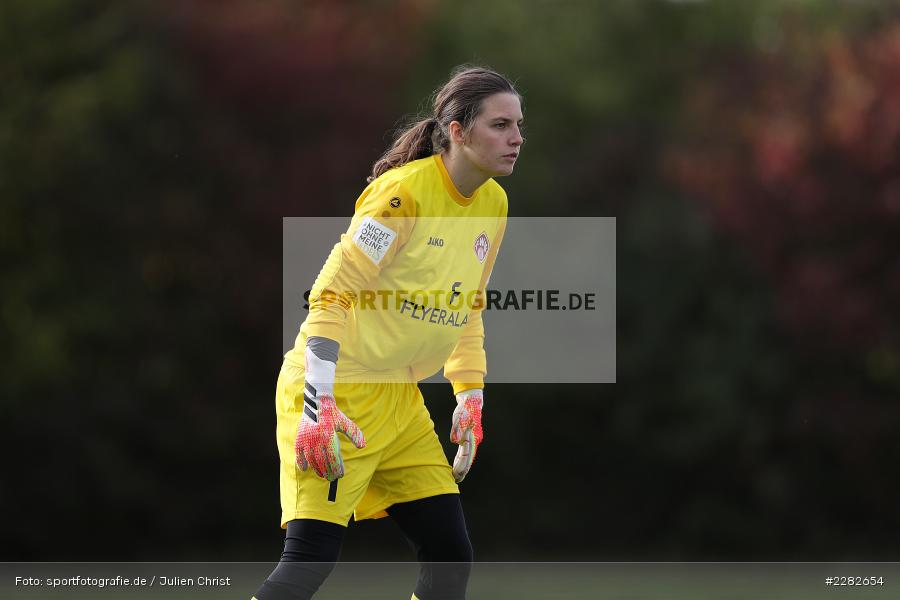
(402, 292)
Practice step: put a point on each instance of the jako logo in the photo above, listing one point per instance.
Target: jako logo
(482, 245)
(433, 241)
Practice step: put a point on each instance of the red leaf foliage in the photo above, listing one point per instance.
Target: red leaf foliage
(290, 88)
(796, 154)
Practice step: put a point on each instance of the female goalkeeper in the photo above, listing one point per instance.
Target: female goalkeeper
(398, 298)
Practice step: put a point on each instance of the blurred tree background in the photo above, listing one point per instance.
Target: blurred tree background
(751, 155)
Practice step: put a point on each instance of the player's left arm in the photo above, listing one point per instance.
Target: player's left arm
(466, 369)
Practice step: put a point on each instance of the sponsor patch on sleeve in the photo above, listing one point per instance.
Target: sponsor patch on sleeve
(374, 239)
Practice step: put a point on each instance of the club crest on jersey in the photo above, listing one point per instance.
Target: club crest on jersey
(482, 245)
(395, 202)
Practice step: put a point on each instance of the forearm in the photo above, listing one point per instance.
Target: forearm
(321, 363)
(467, 365)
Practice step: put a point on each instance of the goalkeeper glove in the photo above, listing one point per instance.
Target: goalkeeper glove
(317, 444)
(466, 430)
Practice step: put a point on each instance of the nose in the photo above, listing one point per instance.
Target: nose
(517, 139)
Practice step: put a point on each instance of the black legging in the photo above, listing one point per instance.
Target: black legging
(435, 528)
(311, 548)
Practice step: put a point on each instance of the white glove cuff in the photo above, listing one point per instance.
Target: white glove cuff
(320, 374)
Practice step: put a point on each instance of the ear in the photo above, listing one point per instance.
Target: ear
(457, 134)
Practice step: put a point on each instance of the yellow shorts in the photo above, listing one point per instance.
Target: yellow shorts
(403, 459)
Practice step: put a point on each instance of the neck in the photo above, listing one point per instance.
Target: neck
(464, 175)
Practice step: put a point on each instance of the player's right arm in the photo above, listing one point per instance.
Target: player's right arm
(381, 225)
(316, 443)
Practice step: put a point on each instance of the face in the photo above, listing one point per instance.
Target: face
(494, 140)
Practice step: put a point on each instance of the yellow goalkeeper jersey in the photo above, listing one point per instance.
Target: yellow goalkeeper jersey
(402, 292)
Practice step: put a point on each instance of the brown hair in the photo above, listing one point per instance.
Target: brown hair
(457, 100)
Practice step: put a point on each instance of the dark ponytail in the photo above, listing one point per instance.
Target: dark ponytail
(457, 100)
(413, 144)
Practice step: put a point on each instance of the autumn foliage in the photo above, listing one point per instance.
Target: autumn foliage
(796, 153)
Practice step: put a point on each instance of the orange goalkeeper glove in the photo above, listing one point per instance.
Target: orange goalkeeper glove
(466, 430)
(317, 443)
